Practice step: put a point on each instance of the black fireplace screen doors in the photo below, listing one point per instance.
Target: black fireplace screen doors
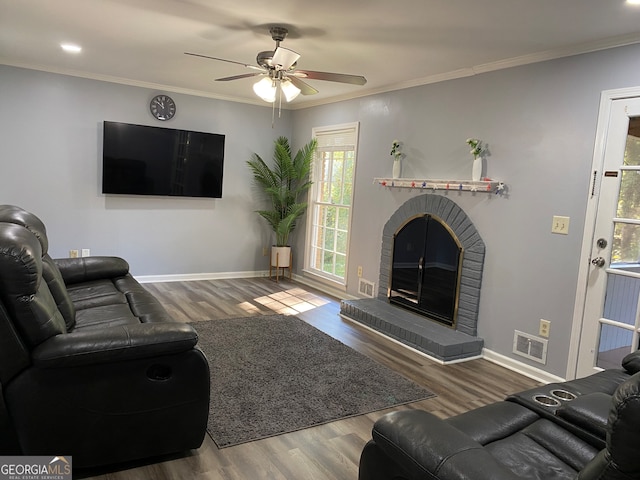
(425, 271)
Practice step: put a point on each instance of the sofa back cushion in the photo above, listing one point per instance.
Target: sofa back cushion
(53, 277)
(25, 296)
(50, 271)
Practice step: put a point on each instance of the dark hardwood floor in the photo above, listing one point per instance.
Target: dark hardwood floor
(326, 452)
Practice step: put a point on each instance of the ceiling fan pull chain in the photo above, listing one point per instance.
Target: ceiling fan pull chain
(273, 114)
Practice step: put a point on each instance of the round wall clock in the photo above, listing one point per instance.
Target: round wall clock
(162, 107)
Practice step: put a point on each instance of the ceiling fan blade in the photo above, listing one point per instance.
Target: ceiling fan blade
(238, 77)
(254, 67)
(331, 77)
(283, 58)
(305, 88)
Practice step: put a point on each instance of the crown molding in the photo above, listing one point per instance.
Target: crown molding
(588, 47)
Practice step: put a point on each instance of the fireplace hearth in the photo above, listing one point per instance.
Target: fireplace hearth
(431, 265)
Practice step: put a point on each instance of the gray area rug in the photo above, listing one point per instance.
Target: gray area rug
(275, 374)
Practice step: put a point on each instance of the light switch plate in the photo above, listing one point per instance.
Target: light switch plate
(560, 225)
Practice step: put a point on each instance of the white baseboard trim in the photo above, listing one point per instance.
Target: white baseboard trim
(522, 368)
(188, 277)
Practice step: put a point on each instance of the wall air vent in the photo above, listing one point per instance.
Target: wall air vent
(366, 288)
(529, 346)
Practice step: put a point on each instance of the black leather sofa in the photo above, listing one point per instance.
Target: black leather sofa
(583, 429)
(91, 364)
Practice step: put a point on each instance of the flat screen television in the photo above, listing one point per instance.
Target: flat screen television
(144, 160)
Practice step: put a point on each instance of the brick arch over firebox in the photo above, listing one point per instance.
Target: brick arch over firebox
(474, 250)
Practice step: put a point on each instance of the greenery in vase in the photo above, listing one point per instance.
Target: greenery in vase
(284, 185)
(476, 147)
(395, 150)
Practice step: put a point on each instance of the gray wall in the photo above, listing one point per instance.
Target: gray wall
(539, 121)
(51, 156)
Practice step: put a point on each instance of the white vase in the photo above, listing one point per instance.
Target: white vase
(397, 168)
(476, 169)
(280, 257)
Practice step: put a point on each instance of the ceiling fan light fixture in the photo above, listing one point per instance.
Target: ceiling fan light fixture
(283, 58)
(289, 89)
(265, 89)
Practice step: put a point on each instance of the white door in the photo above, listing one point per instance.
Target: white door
(611, 320)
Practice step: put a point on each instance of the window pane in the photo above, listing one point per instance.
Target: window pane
(629, 198)
(343, 218)
(336, 178)
(332, 217)
(325, 186)
(329, 239)
(625, 250)
(349, 172)
(632, 150)
(615, 343)
(316, 258)
(341, 262)
(327, 264)
(318, 239)
(341, 242)
(322, 215)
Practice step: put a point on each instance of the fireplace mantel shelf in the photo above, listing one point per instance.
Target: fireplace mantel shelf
(491, 186)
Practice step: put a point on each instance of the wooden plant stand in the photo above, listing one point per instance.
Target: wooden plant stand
(278, 267)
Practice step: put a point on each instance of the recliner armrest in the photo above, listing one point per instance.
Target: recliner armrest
(114, 344)
(76, 270)
(589, 412)
(428, 447)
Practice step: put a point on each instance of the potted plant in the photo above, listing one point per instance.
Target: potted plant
(284, 185)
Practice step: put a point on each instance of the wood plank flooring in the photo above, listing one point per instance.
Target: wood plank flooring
(326, 452)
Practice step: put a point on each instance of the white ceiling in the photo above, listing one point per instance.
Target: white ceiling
(393, 44)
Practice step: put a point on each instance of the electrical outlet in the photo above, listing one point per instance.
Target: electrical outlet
(73, 254)
(359, 271)
(560, 225)
(545, 327)
(86, 252)
(265, 251)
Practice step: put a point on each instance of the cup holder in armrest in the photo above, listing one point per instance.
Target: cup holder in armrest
(563, 394)
(546, 400)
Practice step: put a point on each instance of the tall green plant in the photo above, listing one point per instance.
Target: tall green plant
(284, 185)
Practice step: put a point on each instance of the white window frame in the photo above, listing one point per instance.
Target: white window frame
(313, 193)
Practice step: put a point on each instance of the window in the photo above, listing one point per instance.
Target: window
(330, 201)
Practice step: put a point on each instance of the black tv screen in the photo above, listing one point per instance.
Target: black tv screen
(144, 160)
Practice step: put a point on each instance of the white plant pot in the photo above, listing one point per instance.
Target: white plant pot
(397, 168)
(476, 170)
(280, 257)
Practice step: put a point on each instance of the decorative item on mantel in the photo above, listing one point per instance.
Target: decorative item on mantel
(476, 150)
(397, 159)
(483, 185)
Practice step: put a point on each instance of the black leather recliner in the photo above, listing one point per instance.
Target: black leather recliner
(91, 364)
(505, 441)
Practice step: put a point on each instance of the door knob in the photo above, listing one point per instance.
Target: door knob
(598, 262)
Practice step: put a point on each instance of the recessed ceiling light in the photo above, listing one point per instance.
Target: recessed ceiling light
(633, 2)
(71, 48)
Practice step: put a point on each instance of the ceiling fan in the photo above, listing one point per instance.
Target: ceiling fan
(278, 69)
